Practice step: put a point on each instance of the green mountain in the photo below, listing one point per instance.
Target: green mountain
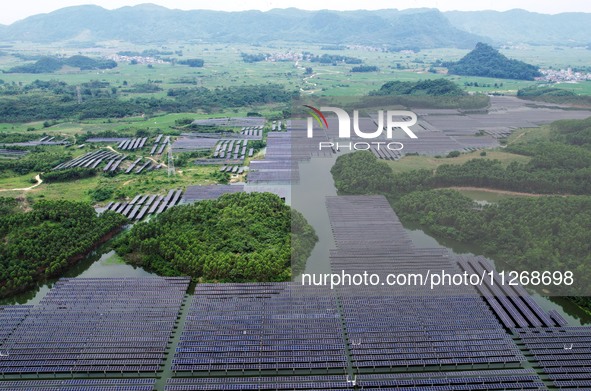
(519, 26)
(415, 28)
(421, 28)
(486, 61)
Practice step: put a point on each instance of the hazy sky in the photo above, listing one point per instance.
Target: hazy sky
(15, 10)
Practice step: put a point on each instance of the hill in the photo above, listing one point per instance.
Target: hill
(520, 26)
(485, 61)
(424, 28)
(436, 87)
(238, 237)
(52, 64)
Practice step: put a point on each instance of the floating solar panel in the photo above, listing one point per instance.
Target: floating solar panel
(286, 315)
(561, 352)
(278, 176)
(94, 326)
(406, 329)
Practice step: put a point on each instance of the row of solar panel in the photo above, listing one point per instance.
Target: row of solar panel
(88, 160)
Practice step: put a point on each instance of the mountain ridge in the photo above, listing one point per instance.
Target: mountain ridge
(421, 28)
(398, 29)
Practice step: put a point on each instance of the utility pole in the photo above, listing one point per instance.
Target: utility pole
(171, 171)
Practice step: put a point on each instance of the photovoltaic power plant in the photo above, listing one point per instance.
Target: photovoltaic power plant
(122, 333)
(83, 326)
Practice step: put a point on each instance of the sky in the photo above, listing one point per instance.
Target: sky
(12, 11)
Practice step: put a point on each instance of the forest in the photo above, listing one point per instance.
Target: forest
(54, 100)
(540, 233)
(432, 93)
(37, 161)
(435, 87)
(365, 68)
(554, 95)
(334, 58)
(237, 238)
(43, 242)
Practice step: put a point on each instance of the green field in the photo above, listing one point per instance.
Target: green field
(410, 163)
(224, 67)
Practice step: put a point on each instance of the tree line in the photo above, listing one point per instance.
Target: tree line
(58, 100)
(53, 64)
(69, 174)
(45, 241)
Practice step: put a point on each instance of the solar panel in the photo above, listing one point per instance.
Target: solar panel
(96, 325)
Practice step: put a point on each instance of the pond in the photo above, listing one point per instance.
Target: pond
(103, 262)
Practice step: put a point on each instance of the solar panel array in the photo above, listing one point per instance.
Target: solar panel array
(511, 303)
(284, 150)
(261, 329)
(209, 192)
(89, 160)
(504, 115)
(270, 383)
(238, 170)
(500, 379)
(158, 149)
(80, 385)
(232, 122)
(144, 205)
(46, 140)
(84, 326)
(232, 150)
(252, 132)
(190, 143)
(563, 354)
(114, 164)
(394, 328)
(276, 177)
(131, 144)
(106, 139)
(13, 152)
(10, 318)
